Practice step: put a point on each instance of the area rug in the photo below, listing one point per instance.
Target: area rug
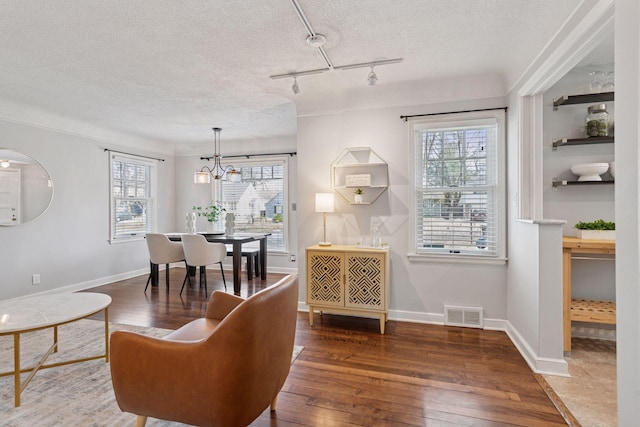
(73, 395)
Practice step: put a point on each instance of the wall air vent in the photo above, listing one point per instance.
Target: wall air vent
(471, 317)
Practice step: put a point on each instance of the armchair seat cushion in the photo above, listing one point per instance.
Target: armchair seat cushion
(196, 330)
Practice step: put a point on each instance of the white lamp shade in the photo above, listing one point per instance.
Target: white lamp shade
(202, 177)
(324, 202)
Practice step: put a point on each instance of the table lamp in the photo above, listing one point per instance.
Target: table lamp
(324, 204)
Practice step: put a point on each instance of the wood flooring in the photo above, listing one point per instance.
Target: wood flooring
(350, 375)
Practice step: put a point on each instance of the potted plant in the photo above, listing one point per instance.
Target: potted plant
(596, 230)
(212, 212)
(358, 195)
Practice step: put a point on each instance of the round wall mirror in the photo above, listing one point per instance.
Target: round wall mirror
(26, 189)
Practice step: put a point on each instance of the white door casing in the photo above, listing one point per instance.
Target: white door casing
(10, 207)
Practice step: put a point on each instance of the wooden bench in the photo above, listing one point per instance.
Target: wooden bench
(253, 263)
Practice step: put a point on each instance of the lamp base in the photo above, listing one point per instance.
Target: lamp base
(324, 243)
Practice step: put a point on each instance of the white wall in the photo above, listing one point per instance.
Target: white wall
(535, 299)
(627, 63)
(68, 245)
(418, 290)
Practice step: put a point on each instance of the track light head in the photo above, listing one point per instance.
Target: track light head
(372, 78)
(294, 87)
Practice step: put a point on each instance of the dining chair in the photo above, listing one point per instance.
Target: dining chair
(163, 251)
(200, 253)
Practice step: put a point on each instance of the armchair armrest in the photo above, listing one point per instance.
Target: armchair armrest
(221, 304)
(141, 363)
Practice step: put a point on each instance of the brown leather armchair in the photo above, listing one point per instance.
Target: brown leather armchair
(221, 370)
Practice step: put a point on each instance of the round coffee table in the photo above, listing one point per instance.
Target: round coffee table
(30, 314)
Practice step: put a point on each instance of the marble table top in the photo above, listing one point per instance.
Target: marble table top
(43, 311)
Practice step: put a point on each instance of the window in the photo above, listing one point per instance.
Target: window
(133, 194)
(259, 199)
(459, 185)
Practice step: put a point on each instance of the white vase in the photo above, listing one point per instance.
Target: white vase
(358, 198)
(230, 224)
(211, 227)
(190, 222)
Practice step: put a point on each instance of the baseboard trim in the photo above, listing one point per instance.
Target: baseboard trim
(539, 365)
(91, 283)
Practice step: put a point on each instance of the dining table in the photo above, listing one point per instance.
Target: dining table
(236, 241)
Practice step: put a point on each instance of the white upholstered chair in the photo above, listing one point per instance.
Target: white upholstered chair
(163, 251)
(200, 253)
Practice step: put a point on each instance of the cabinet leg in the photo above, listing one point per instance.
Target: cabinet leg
(310, 316)
(383, 321)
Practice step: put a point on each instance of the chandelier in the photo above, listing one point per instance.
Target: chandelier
(203, 176)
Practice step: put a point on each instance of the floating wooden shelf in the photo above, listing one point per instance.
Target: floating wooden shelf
(562, 183)
(582, 141)
(583, 99)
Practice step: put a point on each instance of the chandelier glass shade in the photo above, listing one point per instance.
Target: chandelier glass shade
(203, 176)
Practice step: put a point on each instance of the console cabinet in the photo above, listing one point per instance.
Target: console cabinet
(348, 280)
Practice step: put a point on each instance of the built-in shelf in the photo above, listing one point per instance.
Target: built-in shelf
(562, 183)
(583, 99)
(582, 141)
(359, 168)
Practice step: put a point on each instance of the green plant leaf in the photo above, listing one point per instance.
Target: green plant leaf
(212, 211)
(598, 224)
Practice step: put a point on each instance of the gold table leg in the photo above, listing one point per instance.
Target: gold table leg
(16, 367)
(19, 385)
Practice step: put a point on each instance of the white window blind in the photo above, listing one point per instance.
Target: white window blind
(132, 195)
(259, 199)
(459, 184)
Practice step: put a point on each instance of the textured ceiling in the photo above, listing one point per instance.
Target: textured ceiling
(168, 71)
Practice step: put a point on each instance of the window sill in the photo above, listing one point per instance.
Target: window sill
(454, 259)
(126, 239)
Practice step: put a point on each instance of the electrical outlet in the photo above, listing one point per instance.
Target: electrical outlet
(292, 258)
(35, 279)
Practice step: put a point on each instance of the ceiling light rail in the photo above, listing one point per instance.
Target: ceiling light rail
(372, 78)
(313, 39)
(299, 73)
(369, 64)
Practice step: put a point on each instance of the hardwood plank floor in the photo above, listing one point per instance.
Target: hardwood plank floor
(350, 375)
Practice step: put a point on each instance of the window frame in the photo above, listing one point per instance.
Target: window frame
(258, 160)
(449, 120)
(151, 223)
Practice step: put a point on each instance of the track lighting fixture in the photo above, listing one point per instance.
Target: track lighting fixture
(372, 78)
(294, 87)
(317, 41)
